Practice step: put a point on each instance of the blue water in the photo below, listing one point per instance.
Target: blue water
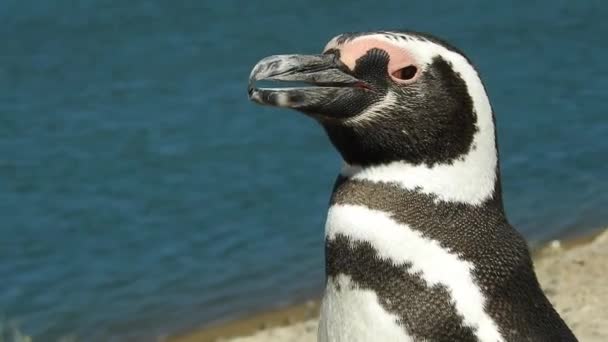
(142, 194)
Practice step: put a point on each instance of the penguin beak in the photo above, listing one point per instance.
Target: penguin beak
(326, 75)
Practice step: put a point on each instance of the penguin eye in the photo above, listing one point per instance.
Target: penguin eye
(406, 73)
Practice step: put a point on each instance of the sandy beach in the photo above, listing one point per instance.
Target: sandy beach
(573, 273)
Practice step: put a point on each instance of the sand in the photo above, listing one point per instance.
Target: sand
(576, 281)
(574, 275)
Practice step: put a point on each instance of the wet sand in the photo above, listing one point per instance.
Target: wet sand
(573, 273)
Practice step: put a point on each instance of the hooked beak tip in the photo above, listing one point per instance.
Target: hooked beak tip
(324, 73)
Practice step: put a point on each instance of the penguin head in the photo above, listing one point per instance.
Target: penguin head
(385, 96)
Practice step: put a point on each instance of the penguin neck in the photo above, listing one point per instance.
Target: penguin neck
(472, 179)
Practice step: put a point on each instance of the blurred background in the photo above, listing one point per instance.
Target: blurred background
(141, 194)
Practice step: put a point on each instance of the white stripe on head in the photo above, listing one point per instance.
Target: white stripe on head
(401, 245)
(469, 179)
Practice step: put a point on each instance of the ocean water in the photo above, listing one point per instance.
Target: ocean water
(142, 194)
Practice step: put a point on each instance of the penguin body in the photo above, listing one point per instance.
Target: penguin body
(477, 285)
(418, 247)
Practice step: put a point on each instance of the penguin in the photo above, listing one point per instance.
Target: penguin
(417, 243)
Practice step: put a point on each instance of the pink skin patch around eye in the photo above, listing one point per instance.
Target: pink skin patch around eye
(399, 58)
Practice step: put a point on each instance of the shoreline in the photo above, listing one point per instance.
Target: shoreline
(265, 320)
(559, 264)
